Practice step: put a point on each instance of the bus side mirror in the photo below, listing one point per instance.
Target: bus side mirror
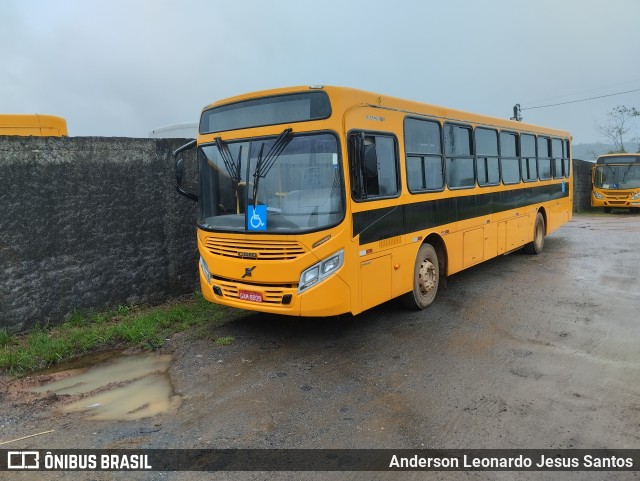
(180, 171)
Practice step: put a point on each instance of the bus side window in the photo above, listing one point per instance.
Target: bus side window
(565, 159)
(458, 149)
(528, 157)
(487, 165)
(556, 153)
(509, 158)
(371, 167)
(544, 161)
(423, 149)
(374, 170)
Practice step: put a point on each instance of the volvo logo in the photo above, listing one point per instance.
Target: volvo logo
(248, 271)
(248, 255)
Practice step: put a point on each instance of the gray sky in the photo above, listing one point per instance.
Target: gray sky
(125, 67)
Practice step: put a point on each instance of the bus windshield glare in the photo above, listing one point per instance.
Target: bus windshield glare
(617, 176)
(293, 181)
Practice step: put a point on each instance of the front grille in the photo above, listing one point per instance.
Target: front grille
(271, 296)
(284, 285)
(620, 196)
(254, 249)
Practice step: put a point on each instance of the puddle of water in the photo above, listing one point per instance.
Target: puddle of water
(142, 398)
(119, 370)
(81, 362)
(127, 388)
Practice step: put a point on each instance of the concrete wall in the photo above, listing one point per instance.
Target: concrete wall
(582, 185)
(90, 223)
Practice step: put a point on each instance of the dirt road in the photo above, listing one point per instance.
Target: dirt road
(519, 352)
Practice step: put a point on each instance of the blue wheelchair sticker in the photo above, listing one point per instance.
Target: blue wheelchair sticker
(257, 217)
(564, 187)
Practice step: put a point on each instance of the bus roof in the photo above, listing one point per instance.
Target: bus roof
(32, 124)
(343, 98)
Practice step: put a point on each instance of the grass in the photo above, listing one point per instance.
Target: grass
(225, 341)
(123, 327)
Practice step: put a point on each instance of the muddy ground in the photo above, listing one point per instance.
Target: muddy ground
(519, 352)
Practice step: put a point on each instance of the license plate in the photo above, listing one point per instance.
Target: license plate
(250, 296)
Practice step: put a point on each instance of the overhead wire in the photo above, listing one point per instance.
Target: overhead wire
(580, 100)
(573, 94)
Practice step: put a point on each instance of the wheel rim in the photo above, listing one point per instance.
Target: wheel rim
(539, 236)
(427, 277)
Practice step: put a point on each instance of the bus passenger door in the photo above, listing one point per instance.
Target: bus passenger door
(375, 281)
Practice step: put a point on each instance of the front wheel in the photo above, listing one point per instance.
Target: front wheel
(535, 247)
(426, 275)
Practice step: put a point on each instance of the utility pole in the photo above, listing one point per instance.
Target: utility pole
(516, 113)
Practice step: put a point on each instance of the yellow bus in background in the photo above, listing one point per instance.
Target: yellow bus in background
(36, 125)
(318, 201)
(616, 182)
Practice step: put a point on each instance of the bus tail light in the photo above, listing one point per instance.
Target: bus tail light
(320, 270)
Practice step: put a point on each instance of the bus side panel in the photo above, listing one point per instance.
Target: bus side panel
(375, 281)
(491, 240)
(453, 243)
(502, 237)
(473, 246)
(558, 213)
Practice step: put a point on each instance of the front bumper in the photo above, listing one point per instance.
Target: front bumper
(330, 297)
(614, 201)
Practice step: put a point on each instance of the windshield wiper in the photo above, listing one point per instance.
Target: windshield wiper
(264, 164)
(233, 168)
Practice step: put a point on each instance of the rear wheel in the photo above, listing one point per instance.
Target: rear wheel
(535, 247)
(426, 276)
(607, 210)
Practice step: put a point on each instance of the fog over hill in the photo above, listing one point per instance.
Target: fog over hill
(592, 151)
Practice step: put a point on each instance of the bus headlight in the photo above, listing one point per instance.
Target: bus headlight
(205, 270)
(598, 195)
(320, 270)
(635, 196)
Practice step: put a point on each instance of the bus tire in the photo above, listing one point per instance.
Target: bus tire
(607, 210)
(426, 276)
(535, 247)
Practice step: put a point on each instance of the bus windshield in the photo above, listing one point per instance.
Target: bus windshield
(617, 176)
(293, 181)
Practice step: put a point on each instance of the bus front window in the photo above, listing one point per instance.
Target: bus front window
(298, 181)
(617, 176)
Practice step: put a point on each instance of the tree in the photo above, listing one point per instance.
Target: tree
(619, 123)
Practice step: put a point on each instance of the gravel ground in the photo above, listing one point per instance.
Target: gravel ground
(518, 352)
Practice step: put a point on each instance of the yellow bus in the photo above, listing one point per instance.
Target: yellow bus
(318, 201)
(36, 125)
(616, 182)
